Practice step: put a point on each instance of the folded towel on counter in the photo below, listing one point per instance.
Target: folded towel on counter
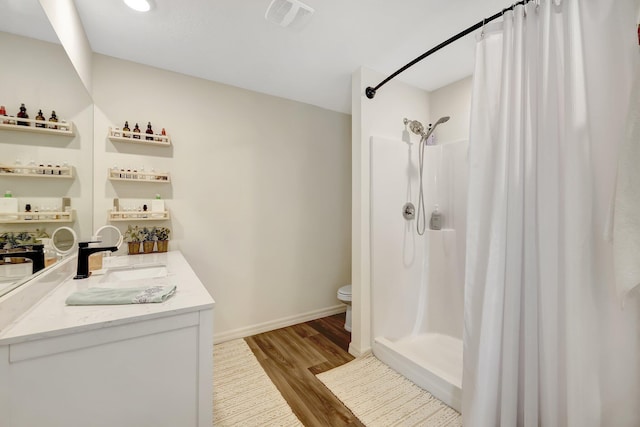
(107, 296)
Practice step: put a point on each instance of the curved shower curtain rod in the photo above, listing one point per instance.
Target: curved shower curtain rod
(371, 91)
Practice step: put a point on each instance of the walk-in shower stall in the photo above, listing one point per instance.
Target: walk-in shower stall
(417, 281)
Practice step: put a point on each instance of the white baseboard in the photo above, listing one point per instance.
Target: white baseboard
(356, 352)
(277, 324)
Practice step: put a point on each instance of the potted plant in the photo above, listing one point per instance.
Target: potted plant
(162, 236)
(133, 237)
(148, 241)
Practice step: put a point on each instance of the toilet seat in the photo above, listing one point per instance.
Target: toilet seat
(344, 293)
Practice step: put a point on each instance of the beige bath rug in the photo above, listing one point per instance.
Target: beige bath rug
(243, 394)
(380, 397)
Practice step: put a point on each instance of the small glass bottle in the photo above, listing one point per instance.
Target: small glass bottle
(136, 130)
(23, 115)
(149, 132)
(3, 112)
(27, 209)
(40, 117)
(53, 119)
(126, 129)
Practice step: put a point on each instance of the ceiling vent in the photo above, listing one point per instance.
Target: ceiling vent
(289, 13)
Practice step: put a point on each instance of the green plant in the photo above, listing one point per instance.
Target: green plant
(148, 234)
(162, 233)
(133, 234)
(9, 239)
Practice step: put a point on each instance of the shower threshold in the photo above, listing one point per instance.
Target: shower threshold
(431, 361)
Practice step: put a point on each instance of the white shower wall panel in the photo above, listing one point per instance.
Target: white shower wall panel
(417, 281)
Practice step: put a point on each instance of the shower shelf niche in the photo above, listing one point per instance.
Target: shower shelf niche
(138, 138)
(138, 216)
(61, 128)
(135, 176)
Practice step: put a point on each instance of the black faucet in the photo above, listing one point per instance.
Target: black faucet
(83, 257)
(34, 252)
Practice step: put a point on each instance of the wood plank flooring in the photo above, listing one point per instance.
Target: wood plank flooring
(292, 357)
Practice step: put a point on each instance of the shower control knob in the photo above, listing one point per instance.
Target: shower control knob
(409, 211)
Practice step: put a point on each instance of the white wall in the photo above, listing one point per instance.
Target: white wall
(40, 75)
(382, 117)
(260, 193)
(453, 100)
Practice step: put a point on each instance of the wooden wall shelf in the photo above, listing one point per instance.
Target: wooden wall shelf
(138, 216)
(138, 138)
(35, 217)
(134, 176)
(52, 171)
(62, 128)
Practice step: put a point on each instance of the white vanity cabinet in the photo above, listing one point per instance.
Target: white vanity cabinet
(93, 366)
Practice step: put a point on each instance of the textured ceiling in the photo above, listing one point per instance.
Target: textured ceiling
(229, 41)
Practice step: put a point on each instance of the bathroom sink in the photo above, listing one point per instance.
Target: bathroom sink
(135, 272)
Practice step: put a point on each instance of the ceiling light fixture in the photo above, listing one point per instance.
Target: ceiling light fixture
(139, 5)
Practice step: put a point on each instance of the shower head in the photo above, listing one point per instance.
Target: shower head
(431, 129)
(415, 126)
(441, 120)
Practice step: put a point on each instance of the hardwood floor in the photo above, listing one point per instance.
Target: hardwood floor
(292, 357)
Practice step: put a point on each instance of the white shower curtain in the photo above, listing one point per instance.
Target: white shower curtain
(539, 293)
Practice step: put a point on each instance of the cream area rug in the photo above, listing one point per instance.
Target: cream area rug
(243, 394)
(380, 397)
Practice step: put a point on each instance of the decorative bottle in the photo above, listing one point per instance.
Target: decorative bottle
(40, 117)
(125, 129)
(136, 129)
(149, 132)
(3, 112)
(53, 119)
(23, 115)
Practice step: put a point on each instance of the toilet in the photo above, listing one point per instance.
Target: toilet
(344, 295)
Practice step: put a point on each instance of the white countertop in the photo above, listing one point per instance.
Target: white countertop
(51, 317)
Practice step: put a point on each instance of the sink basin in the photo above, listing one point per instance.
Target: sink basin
(135, 272)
